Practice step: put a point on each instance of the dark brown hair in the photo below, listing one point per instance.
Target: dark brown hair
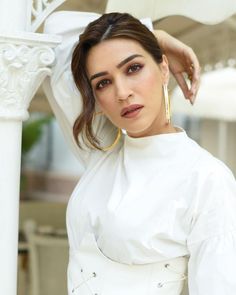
(108, 26)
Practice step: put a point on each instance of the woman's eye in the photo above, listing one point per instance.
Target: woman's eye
(102, 84)
(134, 68)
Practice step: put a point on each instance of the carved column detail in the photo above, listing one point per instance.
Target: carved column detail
(40, 9)
(22, 69)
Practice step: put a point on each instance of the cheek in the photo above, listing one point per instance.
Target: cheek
(151, 83)
(107, 105)
(104, 103)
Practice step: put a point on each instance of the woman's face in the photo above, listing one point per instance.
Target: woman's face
(127, 85)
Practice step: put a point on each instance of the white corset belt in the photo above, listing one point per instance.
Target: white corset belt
(90, 272)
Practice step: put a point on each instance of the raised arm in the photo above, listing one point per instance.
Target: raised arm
(182, 60)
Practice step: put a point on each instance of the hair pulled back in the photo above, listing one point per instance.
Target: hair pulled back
(108, 26)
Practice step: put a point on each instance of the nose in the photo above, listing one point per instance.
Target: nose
(123, 91)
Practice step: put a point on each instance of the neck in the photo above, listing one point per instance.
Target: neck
(161, 129)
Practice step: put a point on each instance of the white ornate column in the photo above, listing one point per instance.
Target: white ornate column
(25, 60)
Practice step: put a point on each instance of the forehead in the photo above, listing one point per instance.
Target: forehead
(110, 53)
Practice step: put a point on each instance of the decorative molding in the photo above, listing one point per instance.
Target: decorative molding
(40, 9)
(23, 67)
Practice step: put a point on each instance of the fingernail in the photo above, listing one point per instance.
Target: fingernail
(192, 99)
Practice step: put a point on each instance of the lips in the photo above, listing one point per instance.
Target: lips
(130, 109)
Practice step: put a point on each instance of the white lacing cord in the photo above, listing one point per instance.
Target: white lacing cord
(183, 277)
(93, 275)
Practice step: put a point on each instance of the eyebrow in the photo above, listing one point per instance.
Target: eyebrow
(123, 62)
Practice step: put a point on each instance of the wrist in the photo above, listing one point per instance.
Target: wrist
(161, 35)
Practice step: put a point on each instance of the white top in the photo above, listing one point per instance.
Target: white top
(91, 272)
(158, 198)
(149, 199)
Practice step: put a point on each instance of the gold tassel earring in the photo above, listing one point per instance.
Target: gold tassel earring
(167, 103)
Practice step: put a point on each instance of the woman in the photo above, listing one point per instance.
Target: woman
(152, 210)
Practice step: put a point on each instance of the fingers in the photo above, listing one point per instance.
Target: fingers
(193, 75)
(184, 87)
(195, 83)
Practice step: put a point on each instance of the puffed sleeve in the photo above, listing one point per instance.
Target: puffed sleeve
(60, 88)
(212, 240)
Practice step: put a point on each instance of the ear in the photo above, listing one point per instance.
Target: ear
(164, 67)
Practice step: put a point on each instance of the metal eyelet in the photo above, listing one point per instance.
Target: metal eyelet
(167, 265)
(159, 285)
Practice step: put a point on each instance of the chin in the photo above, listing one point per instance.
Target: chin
(138, 127)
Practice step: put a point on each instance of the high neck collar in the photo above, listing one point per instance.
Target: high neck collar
(155, 145)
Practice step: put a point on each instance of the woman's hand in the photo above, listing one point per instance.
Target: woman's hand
(182, 60)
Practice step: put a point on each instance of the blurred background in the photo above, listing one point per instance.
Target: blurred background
(50, 171)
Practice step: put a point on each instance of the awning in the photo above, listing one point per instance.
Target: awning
(205, 11)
